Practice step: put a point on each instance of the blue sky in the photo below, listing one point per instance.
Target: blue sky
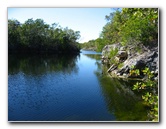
(89, 21)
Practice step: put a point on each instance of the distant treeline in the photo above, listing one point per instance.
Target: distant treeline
(35, 36)
(129, 26)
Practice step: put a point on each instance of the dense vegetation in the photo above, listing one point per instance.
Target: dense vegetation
(96, 45)
(136, 27)
(129, 26)
(35, 36)
(149, 88)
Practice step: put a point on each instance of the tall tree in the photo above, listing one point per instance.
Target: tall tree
(36, 35)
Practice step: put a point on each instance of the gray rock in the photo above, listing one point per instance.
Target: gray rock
(106, 50)
(118, 74)
(113, 67)
(122, 54)
(147, 58)
(122, 48)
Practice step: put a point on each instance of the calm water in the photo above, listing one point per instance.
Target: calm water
(68, 88)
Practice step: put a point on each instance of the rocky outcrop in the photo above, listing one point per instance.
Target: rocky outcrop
(127, 57)
(106, 50)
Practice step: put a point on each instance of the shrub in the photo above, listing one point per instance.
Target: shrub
(149, 86)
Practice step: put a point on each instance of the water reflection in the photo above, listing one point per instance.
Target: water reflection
(124, 103)
(94, 56)
(41, 64)
(39, 86)
(59, 88)
(90, 52)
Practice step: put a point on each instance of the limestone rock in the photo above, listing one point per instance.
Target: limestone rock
(147, 58)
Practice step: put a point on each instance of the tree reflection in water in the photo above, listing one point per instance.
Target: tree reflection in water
(40, 64)
(120, 99)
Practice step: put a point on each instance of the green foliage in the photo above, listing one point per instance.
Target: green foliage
(36, 36)
(140, 25)
(111, 31)
(96, 45)
(113, 52)
(120, 65)
(112, 57)
(129, 26)
(149, 86)
(89, 45)
(99, 42)
(135, 72)
(13, 33)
